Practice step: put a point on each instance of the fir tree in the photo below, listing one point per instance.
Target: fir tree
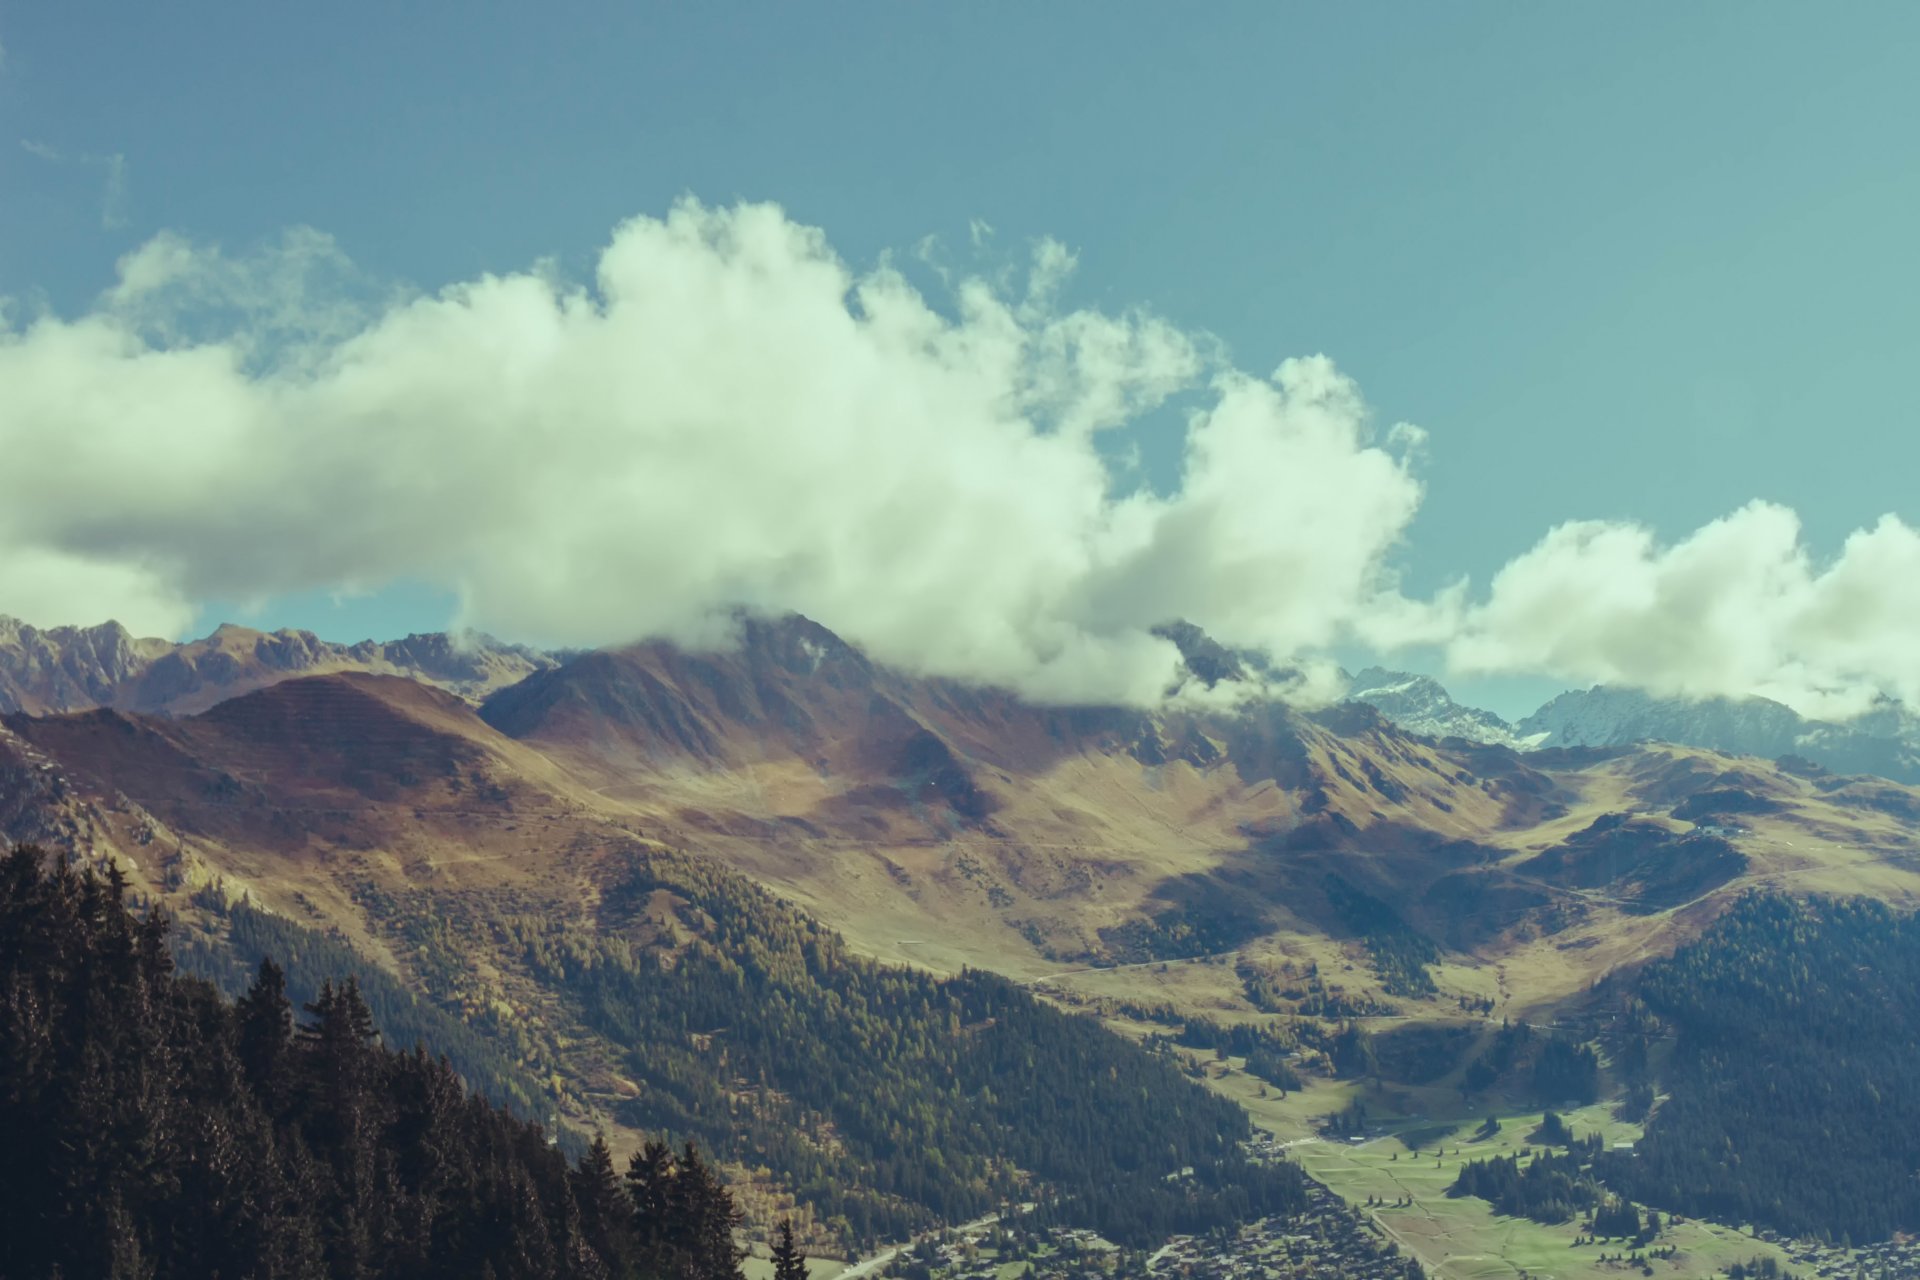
(789, 1263)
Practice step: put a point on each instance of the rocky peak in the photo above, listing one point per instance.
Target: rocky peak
(66, 669)
(1421, 704)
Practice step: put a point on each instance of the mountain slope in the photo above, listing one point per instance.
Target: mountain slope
(573, 865)
(156, 1130)
(948, 826)
(649, 990)
(77, 669)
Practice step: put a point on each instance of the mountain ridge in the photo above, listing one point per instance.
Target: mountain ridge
(1885, 741)
(71, 668)
(591, 866)
(79, 668)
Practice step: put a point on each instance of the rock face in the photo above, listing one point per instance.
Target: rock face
(81, 668)
(68, 668)
(1420, 704)
(1886, 741)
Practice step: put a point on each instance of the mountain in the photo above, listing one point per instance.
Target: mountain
(79, 668)
(1420, 704)
(644, 989)
(790, 900)
(1886, 741)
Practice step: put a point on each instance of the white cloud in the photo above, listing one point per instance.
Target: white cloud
(1738, 607)
(52, 587)
(730, 414)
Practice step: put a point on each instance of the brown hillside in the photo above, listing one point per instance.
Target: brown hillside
(947, 826)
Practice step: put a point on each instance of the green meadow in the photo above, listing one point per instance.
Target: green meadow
(1423, 1138)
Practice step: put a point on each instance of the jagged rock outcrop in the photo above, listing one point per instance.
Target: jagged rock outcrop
(1421, 704)
(80, 668)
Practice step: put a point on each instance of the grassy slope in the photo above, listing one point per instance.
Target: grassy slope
(1091, 839)
(1463, 1238)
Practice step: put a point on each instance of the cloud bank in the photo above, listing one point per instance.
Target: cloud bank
(1738, 607)
(728, 414)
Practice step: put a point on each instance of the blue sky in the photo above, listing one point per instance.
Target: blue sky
(1639, 262)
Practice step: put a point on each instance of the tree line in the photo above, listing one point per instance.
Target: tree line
(1792, 1099)
(888, 1099)
(154, 1130)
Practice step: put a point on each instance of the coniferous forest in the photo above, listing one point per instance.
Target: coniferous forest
(1792, 1102)
(159, 1127)
(945, 1097)
(154, 1130)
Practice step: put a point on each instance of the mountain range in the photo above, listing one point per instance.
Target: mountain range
(80, 668)
(528, 847)
(1884, 741)
(931, 822)
(77, 669)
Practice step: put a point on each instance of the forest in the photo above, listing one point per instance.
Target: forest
(1400, 953)
(883, 1099)
(760, 1034)
(1557, 1186)
(1792, 1099)
(156, 1130)
(230, 958)
(1548, 1068)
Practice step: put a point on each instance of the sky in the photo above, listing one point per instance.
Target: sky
(1643, 277)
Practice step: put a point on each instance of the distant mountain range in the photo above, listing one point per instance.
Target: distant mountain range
(1421, 704)
(1885, 741)
(80, 668)
(65, 669)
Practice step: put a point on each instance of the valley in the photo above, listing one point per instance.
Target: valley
(566, 864)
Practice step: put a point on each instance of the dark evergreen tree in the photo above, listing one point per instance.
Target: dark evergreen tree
(1791, 1099)
(154, 1132)
(266, 1036)
(606, 1210)
(789, 1263)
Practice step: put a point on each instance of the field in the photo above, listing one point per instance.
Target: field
(1423, 1138)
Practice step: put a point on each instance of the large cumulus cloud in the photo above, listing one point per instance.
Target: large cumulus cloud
(1738, 607)
(728, 415)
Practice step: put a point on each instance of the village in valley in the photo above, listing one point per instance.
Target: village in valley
(1328, 1239)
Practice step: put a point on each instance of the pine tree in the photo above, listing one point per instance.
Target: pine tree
(702, 1221)
(650, 1189)
(789, 1263)
(133, 1139)
(266, 1036)
(606, 1210)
